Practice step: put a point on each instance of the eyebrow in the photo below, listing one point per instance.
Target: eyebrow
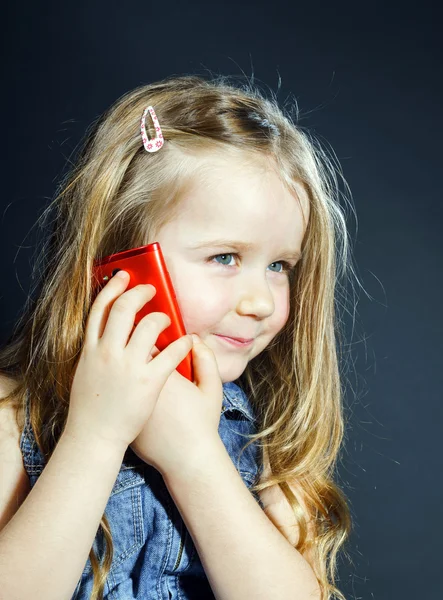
(242, 246)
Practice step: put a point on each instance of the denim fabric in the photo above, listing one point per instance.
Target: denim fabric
(154, 555)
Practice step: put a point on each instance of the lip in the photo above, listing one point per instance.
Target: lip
(239, 342)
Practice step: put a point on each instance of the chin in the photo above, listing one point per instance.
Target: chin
(231, 364)
(229, 373)
(231, 379)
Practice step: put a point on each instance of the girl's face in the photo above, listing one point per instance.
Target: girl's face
(226, 252)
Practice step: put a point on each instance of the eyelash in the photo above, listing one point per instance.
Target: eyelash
(287, 267)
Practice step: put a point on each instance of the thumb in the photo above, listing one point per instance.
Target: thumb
(206, 373)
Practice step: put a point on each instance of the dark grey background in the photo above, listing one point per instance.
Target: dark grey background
(367, 78)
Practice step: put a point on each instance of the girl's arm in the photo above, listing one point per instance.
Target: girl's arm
(45, 545)
(279, 511)
(242, 552)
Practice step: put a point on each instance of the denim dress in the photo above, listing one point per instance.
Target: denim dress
(154, 555)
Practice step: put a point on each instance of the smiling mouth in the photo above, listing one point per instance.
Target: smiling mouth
(240, 342)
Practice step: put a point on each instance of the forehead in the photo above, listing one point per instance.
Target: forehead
(242, 196)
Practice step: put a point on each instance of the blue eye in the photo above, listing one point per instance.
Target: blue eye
(223, 256)
(285, 266)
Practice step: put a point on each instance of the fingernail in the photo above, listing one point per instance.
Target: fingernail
(195, 338)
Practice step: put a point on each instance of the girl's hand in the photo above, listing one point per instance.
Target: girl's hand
(117, 382)
(186, 417)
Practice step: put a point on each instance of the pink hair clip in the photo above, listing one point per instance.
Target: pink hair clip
(157, 142)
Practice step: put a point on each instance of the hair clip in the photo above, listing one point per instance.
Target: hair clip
(157, 142)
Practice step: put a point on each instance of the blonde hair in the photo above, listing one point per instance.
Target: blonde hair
(115, 197)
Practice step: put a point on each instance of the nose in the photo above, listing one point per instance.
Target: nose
(255, 298)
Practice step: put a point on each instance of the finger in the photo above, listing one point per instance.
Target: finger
(168, 359)
(206, 373)
(102, 304)
(146, 333)
(154, 352)
(122, 315)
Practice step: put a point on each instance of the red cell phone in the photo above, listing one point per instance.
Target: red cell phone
(146, 264)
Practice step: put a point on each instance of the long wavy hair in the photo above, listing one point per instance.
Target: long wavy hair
(115, 197)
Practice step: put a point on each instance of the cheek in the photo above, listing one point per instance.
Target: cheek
(282, 306)
(202, 304)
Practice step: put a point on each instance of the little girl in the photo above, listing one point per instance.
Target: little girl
(218, 488)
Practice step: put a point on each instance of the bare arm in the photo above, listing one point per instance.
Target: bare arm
(243, 553)
(51, 534)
